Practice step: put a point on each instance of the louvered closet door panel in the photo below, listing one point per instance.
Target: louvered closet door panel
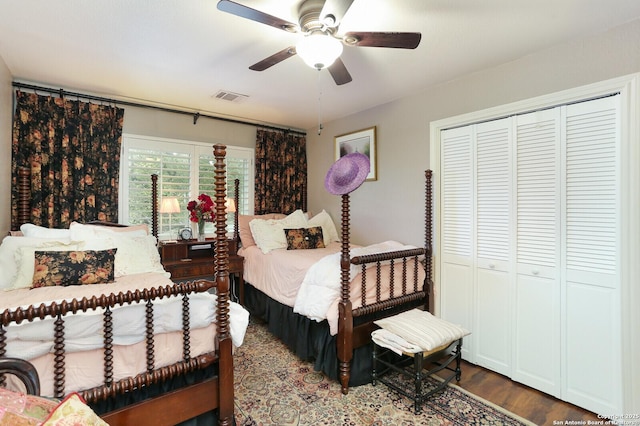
(592, 255)
(457, 230)
(493, 177)
(537, 294)
(492, 327)
(538, 193)
(592, 192)
(457, 202)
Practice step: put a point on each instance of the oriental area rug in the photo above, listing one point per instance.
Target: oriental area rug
(274, 387)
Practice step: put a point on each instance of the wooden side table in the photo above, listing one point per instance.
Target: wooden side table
(236, 267)
(192, 259)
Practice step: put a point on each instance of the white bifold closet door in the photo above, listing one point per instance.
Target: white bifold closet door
(476, 233)
(530, 235)
(567, 337)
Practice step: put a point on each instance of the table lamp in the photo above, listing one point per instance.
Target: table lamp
(170, 205)
(230, 204)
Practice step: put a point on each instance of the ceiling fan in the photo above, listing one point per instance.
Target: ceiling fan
(321, 43)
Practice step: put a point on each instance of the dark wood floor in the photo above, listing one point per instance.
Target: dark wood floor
(528, 403)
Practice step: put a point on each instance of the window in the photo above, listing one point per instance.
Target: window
(185, 170)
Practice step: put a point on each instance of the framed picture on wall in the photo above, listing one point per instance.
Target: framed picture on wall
(362, 141)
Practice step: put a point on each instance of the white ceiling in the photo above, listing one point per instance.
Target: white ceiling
(180, 53)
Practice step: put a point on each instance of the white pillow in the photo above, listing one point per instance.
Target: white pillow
(83, 232)
(31, 230)
(25, 260)
(269, 233)
(329, 232)
(8, 256)
(136, 254)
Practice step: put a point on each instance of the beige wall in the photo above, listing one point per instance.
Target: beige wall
(6, 104)
(150, 122)
(392, 207)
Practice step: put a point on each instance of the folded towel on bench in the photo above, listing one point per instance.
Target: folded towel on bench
(420, 328)
(397, 344)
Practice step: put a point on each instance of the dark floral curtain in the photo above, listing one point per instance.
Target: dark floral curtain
(281, 172)
(73, 151)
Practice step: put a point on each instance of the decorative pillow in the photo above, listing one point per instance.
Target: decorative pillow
(328, 228)
(304, 238)
(16, 259)
(19, 409)
(73, 410)
(269, 234)
(65, 268)
(244, 231)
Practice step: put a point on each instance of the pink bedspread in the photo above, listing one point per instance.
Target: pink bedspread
(281, 273)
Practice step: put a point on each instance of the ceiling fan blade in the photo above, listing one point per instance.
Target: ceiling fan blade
(274, 59)
(335, 10)
(339, 72)
(255, 15)
(382, 39)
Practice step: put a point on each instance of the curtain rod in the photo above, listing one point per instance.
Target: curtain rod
(196, 115)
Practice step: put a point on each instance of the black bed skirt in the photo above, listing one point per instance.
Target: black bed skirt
(310, 340)
(205, 419)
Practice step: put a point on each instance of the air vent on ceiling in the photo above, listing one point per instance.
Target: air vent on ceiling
(225, 95)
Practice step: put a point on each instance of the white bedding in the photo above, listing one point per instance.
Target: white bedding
(137, 266)
(83, 331)
(320, 287)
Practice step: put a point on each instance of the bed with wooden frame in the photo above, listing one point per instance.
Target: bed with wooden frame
(198, 384)
(346, 355)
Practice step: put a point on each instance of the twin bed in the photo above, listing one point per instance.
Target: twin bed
(145, 350)
(137, 347)
(321, 300)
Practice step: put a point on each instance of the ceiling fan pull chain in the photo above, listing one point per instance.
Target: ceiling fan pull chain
(319, 105)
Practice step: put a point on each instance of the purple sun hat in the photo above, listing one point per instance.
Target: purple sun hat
(347, 173)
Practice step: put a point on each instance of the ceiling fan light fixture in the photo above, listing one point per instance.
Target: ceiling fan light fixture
(319, 50)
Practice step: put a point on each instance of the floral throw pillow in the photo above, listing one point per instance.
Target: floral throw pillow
(65, 268)
(304, 238)
(74, 411)
(18, 409)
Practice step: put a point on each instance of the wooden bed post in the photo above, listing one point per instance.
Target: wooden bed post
(236, 198)
(345, 311)
(154, 205)
(428, 242)
(24, 196)
(225, 348)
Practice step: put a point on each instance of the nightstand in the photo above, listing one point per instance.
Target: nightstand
(191, 259)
